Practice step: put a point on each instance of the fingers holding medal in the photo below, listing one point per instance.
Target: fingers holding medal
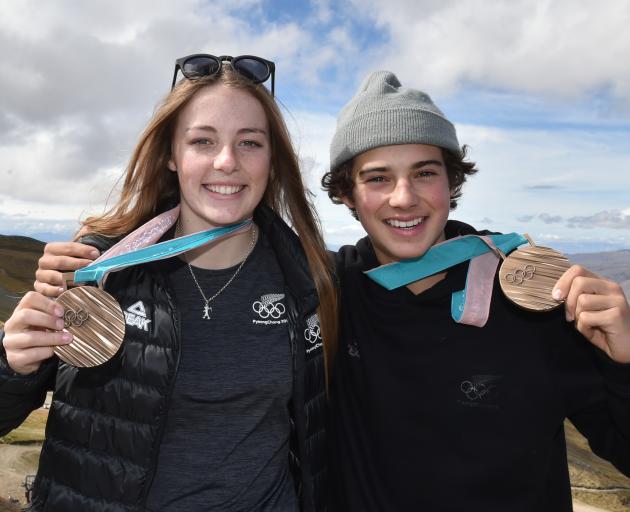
(97, 324)
(600, 310)
(33, 331)
(85, 327)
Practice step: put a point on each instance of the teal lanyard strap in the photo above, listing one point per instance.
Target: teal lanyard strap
(440, 257)
(97, 271)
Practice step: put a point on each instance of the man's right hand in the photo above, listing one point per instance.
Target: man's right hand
(61, 257)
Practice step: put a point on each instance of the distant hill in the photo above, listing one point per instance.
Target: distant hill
(18, 262)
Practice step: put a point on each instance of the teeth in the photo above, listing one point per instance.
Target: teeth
(406, 224)
(225, 190)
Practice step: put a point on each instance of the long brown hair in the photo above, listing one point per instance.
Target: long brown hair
(149, 186)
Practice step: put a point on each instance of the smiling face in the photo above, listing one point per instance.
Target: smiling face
(222, 155)
(402, 198)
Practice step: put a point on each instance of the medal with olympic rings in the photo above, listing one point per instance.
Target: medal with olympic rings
(97, 324)
(528, 275)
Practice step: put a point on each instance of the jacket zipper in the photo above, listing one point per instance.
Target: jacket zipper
(169, 396)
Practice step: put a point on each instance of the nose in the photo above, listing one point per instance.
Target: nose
(225, 160)
(403, 195)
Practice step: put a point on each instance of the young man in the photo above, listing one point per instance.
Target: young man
(431, 414)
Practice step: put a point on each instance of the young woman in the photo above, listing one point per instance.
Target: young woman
(215, 399)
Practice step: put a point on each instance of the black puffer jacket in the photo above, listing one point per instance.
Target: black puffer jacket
(105, 423)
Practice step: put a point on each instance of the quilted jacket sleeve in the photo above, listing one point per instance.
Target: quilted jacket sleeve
(21, 394)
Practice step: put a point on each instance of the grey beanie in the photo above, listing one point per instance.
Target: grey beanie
(383, 113)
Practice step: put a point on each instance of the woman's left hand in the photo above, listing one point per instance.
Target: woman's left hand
(600, 310)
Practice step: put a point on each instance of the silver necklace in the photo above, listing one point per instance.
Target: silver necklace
(207, 308)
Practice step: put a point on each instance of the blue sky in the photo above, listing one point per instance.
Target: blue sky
(538, 89)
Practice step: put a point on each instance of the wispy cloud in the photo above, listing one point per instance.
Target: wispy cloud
(615, 219)
(550, 219)
(542, 187)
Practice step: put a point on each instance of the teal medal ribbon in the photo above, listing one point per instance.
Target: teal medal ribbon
(96, 271)
(445, 255)
(440, 257)
(94, 317)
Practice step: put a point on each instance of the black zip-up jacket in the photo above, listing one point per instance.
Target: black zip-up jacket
(105, 423)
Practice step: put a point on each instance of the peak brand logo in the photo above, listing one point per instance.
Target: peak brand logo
(270, 309)
(312, 333)
(136, 316)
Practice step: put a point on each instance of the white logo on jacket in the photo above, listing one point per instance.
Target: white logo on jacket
(136, 316)
(312, 333)
(269, 309)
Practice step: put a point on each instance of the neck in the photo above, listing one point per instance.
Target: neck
(417, 287)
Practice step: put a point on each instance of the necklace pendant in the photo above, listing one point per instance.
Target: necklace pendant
(207, 311)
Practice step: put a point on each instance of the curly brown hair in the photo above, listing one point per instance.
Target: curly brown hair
(338, 183)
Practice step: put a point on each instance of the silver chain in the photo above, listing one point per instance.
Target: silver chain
(207, 310)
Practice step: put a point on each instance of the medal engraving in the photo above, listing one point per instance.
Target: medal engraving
(97, 324)
(76, 318)
(528, 275)
(519, 276)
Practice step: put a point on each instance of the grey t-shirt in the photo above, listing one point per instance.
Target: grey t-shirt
(226, 442)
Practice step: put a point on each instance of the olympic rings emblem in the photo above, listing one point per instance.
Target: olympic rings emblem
(75, 318)
(269, 309)
(312, 333)
(473, 391)
(520, 276)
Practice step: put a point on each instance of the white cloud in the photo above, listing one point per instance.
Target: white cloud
(558, 47)
(323, 11)
(548, 237)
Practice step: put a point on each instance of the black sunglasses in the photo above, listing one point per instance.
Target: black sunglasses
(251, 67)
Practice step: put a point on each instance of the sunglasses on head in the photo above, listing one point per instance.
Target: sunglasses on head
(251, 67)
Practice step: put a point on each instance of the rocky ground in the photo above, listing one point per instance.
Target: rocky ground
(16, 461)
(594, 481)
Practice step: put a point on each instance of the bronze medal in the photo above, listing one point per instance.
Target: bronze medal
(97, 324)
(528, 276)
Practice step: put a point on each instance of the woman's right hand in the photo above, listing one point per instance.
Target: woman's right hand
(32, 331)
(61, 257)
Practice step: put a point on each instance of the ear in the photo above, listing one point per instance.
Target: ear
(347, 201)
(171, 165)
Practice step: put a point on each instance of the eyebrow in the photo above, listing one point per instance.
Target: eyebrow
(416, 165)
(208, 128)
